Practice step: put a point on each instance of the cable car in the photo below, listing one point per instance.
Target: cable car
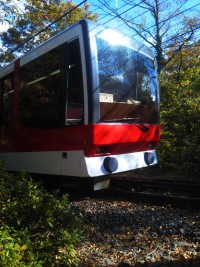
(85, 103)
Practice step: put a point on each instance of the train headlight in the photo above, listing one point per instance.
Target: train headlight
(110, 164)
(149, 158)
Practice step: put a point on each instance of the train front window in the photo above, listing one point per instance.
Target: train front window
(128, 89)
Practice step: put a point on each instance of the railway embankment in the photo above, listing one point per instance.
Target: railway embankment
(142, 221)
(124, 233)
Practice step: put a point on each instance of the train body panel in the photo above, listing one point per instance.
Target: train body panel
(61, 163)
(94, 140)
(85, 103)
(64, 163)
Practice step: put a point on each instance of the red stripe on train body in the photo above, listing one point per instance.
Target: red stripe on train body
(92, 139)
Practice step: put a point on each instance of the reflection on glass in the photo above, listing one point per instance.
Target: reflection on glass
(8, 90)
(128, 84)
(74, 107)
(40, 91)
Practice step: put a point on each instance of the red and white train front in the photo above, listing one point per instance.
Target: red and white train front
(127, 105)
(84, 104)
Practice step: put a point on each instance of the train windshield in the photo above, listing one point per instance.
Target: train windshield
(128, 88)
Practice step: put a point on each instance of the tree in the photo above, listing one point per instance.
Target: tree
(36, 17)
(180, 82)
(159, 24)
(8, 10)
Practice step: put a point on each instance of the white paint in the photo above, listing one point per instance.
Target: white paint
(74, 163)
(50, 162)
(126, 162)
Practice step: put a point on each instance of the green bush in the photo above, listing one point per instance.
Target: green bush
(36, 228)
(192, 157)
(15, 249)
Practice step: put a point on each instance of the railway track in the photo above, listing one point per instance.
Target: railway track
(183, 193)
(176, 192)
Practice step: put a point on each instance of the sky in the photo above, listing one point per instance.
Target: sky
(96, 5)
(111, 21)
(121, 7)
(136, 13)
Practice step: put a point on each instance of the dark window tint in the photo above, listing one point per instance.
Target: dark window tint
(74, 108)
(127, 83)
(7, 91)
(40, 91)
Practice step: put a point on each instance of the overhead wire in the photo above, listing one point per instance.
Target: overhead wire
(117, 15)
(170, 18)
(140, 14)
(17, 6)
(162, 21)
(109, 13)
(180, 35)
(42, 30)
(136, 5)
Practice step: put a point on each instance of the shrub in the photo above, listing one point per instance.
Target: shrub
(37, 228)
(15, 249)
(192, 157)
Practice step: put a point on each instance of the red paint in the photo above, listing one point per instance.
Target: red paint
(121, 138)
(94, 140)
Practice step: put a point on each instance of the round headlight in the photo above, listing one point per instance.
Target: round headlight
(110, 164)
(148, 158)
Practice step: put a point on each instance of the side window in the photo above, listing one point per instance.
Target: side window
(74, 106)
(40, 91)
(7, 91)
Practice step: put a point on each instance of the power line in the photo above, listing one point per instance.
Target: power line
(117, 15)
(44, 29)
(109, 13)
(180, 35)
(170, 17)
(163, 21)
(17, 6)
(137, 15)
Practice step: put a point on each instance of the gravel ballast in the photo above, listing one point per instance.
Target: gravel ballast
(124, 233)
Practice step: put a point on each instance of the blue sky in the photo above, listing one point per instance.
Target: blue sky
(118, 5)
(137, 13)
(110, 21)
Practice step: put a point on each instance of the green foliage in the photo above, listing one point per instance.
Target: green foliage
(37, 228)
(191, 164)
(8, 11)
(15, 249)
(180, 112)
(37, 15)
